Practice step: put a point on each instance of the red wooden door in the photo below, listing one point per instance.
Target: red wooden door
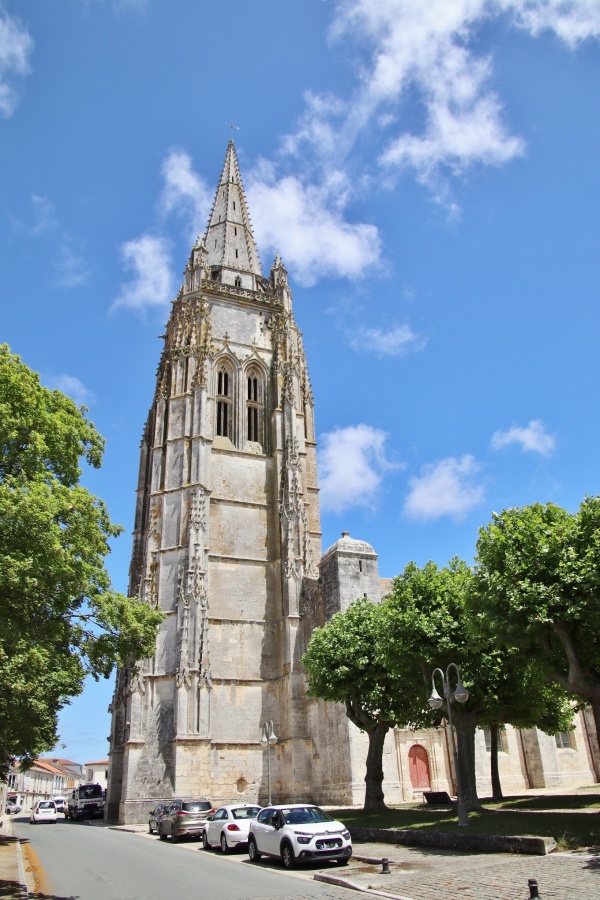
(418, 767)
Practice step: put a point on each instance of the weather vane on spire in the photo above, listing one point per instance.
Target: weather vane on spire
(231, 126)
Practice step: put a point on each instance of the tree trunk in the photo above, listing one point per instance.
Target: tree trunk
(374, 798)
(496, 786)
(465, 738)
(595, 704)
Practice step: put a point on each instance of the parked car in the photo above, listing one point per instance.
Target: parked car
(184, 818)
(155, 817)
(12, 808)
(43, 811)
(228, 827)
(297, 833)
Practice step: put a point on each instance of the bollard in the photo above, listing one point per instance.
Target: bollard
(385, 866)
(533, 888)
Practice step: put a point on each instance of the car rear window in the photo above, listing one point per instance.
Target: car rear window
(246, 812)
(197, 806)
(46, 804)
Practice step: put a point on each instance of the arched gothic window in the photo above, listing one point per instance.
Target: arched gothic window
(254, 406)
(224, 402)
(238, 281)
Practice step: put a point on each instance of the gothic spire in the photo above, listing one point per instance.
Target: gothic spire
(229, 239)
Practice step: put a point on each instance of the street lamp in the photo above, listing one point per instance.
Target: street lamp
(461, 695)
(268, 739)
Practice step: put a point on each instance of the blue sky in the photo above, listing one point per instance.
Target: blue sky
(428, 172)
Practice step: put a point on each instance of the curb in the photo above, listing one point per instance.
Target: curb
(536, 846)
(23, 891)
(353, 886)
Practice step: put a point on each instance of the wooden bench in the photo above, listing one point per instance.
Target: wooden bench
(438, 798)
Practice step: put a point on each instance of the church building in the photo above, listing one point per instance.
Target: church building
(227, 543)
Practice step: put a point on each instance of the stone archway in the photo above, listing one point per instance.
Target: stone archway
(418, 767)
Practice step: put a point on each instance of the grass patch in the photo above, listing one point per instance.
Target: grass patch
(573, 820)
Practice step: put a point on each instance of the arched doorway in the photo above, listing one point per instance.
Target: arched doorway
(418, 767)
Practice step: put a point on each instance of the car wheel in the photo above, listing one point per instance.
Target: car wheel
(205, 843)
(287, 856)
(253, 850)
(174, 837)
(224, 844)
(162, 835)
(150, 829)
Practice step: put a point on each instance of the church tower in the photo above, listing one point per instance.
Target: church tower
(226, 533)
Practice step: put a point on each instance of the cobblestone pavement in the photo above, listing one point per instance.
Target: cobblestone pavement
(418, 874)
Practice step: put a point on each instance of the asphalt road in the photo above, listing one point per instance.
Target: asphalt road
(92, 862)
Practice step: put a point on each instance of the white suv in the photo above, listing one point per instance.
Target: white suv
(298, 832)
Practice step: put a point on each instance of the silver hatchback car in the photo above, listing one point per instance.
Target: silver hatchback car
(184, 818)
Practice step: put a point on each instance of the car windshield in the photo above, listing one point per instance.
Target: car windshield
(89, 791)
(246, 812)
(196, 806)
(305, 815)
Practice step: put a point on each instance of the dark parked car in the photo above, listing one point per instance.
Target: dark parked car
(184, 818)
(155, 817)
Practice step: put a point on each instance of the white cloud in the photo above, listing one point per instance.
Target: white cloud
(396, 341)
(72, 386)
(306, 224)
(448, 487)
(16, 46)
(69, 266)
(185, 192)
(44, 216)
(532, 439)
(151, 285)
(425, 46)
(352, 463)
(573, 21)
(427, 51)
(71, 269)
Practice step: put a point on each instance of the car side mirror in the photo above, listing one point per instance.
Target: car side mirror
(209, 818)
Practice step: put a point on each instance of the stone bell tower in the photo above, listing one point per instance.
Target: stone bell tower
(226, 532)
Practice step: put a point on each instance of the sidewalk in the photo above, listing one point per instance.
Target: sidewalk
(418, 874)
(12, 875)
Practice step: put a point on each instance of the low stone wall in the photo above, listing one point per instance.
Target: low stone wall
(478, 843)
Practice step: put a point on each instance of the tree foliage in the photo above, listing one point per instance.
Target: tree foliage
(59, 618)
(429, 626)
(538, 585)
(378, 660)
(343, 666)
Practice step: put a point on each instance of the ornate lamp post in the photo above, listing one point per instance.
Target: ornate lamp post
(461, 695)
(268, 739)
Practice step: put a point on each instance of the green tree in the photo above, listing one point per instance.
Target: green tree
(342, 665)
(538, 583)
(427, 625)
(59, 618)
